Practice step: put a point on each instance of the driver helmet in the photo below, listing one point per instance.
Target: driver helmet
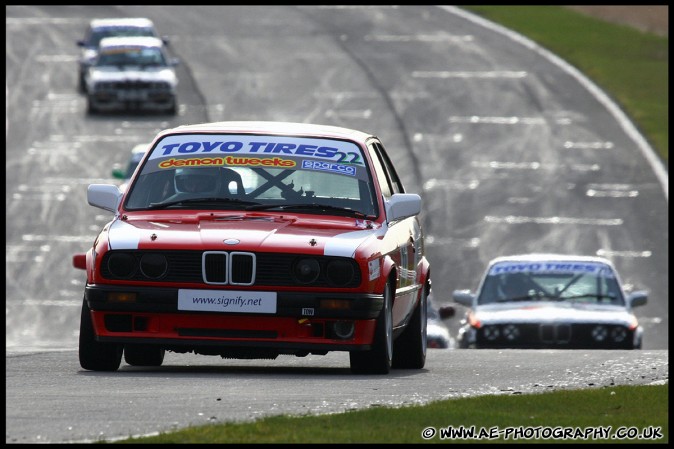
(202, 180)
(513, 286)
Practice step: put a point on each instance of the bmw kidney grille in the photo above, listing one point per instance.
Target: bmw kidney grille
(233, 268)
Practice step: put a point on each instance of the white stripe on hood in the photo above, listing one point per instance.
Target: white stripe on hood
(345, 245)
(122, 235)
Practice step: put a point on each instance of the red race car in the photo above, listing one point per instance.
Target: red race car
(256, 239)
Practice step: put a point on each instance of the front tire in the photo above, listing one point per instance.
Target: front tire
(173, 110)
(638, 342)
(93, 355)
(81, 84)
(409, 351)
(91, 109)
(378, 359)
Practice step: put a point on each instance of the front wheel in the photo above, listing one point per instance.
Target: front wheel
(409, 350)
(173, 109)
(93, 355)
(91, 109)
(81, 84)
(378, 359)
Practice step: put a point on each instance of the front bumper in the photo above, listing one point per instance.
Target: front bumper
(549, 335)
(130, 100)
(302, 322)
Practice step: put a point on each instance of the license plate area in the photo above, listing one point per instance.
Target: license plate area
(227, 301)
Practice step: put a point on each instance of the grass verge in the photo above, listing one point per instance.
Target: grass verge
(639, 413)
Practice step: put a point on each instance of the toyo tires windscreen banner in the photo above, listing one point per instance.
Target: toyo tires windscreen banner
(231, 150)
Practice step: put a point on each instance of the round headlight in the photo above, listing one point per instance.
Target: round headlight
(306, 271)
(511, 332)
(599, 333)
(491, 333)
(122, 265)
(618, 334)
(153, 265)
(339, 272)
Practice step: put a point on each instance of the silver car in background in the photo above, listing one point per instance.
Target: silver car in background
(132, 73)
(550, 301)
(99, 29)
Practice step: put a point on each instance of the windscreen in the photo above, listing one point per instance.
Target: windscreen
(578, 282)
(121, 56)
(232, 171)
(118, 31)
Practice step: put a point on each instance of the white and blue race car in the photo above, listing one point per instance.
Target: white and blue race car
(132, 73)
(550, 301)
(98, 29)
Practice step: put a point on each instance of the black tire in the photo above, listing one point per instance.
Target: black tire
(378, 359)
(173, 110)
(462, 343)
(81, 84)
(93, 355)
(91, 109)
(409, 349)
(143, 355)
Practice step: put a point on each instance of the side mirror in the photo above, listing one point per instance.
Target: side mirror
(104, 196)
(165, 40)
(638, 298)
(402, 205)
(463, 297)
(174, 62)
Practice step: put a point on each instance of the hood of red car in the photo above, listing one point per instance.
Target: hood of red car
(335, 236)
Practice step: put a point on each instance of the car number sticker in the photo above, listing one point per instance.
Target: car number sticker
(227, 301)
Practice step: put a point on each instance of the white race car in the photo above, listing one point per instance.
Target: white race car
(132, 73)
(550, 301)
(99, 29)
